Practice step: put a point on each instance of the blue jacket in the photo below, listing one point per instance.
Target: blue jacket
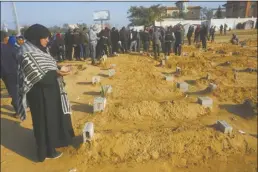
(8, 60)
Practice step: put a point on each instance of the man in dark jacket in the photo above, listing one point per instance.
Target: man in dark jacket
(162, 40)
(69, 44)
(58, 48)
(190, 34)
(124, 39)
(103, 43)
(169, 38)
(221, 29)
(84, 47)
(178, 43)
(139, 40)
(9, 67)
(197, 34)
(225, 28)
(114, 40)
(203, 36)
(212, 33)
(146, 40)
(77, 42)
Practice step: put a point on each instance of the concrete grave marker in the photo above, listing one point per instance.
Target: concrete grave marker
(169, 78)
(88, 132)
(183, 86)
(95, 79)
(178, 70)
(113, 65)
(166, 57)
(185, 54)
(224, 127)
(99, 104)
(111, 72)
(104, 57)
(208, 76)
(107, 88)
(235, 75)
(205, 101)
(212, 86)
(163, 62)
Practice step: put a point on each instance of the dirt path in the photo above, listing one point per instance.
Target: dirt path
(141, 129)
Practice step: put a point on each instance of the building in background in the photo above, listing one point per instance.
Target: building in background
(223, 12)
(242, 9)
(191, 12)
(182, 6)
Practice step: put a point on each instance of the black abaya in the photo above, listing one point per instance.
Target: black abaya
(52, 128)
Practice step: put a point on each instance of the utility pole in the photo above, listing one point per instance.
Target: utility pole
(16, 19)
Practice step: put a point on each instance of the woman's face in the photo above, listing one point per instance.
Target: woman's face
(20, 41)
(44, 41)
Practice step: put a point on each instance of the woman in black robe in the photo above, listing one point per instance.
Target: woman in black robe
(52, 126)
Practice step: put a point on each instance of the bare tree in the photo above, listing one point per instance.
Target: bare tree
(206, 13)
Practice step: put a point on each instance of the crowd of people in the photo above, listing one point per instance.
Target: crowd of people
(35, 81)
(84, 43)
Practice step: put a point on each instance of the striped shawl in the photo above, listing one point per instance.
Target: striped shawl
(33, 66)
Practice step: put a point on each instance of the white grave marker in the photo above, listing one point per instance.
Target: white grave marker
(224, 127)
(169, 78)
(95, 79)
(113, 65)
(183, 86)
(88, 132)
(111, 72)
(99, 104)
(107, 88)
(205, 101)
(163, 62)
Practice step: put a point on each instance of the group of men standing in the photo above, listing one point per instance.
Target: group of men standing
(94, 44)
(85, 43)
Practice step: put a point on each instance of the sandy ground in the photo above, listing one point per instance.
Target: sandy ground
(148, 124)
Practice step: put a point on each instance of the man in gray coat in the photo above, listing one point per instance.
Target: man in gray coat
(156, 36)
(93, 39)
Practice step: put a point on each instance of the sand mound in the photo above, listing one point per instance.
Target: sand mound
(160, 111)
(182, 146)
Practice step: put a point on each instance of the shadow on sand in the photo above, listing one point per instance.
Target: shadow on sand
(82, 107)
(239, 110)
(92, 93)
(84, 83)
(206, 91)
(103, 75)
(18, 139)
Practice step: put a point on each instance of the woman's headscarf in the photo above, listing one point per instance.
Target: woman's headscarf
(36, 32)
(12, 40)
